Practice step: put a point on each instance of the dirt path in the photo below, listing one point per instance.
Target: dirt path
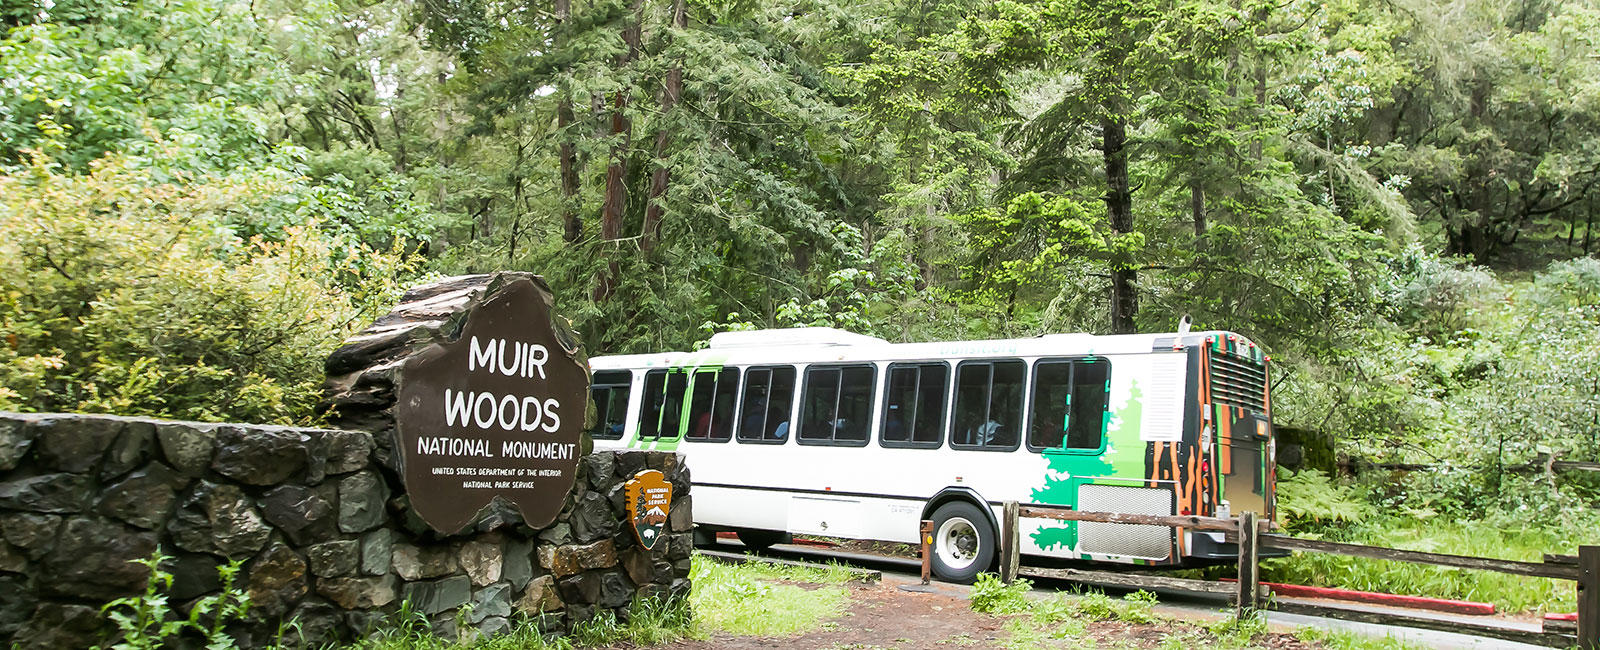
(883, 616)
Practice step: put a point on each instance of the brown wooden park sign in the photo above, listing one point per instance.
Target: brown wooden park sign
(494, 411)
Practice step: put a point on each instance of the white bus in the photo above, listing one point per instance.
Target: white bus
(825, 432)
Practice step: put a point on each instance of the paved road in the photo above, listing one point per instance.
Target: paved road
(1186, 606)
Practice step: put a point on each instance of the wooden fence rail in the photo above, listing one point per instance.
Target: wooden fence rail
(1247, 534)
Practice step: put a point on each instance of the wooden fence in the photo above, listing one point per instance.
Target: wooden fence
(1248, 595)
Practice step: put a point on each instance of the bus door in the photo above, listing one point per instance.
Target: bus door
(1239, 412)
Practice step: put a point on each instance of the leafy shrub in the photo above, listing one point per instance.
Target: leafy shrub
(146, 621)
(124, 291)
(1310, 498)
(992, 596)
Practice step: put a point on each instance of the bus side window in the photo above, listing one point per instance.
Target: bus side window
(609, 392)
(1069, 404)
(913, 408)
(1087, 425)
(764, 406)
(711, 405)
(836, 404)
(988, 413)
(650, 406)
(660, 414)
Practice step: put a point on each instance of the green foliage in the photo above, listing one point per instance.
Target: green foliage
(1310, 499)
(123, 291)
(147, 622)
(991, 596)
(1505, 536)
(746, 600)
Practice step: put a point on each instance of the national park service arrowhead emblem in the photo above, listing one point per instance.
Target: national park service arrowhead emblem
(649, 500)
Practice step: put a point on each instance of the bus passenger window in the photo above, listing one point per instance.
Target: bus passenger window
(1069, 404)
(711, 404)
(662, 411)
(765, 405)
(988, 412)
(1087, 428)
(609, 392)
(913, 410)
(837, 404)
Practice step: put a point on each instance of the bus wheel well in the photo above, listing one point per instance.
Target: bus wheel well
(949, 495)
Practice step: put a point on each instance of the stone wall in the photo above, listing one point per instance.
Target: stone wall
(320, 524)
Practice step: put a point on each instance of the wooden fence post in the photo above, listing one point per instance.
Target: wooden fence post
(1010, 543)
(1589, 597)
(1249, 572)
(925, 535)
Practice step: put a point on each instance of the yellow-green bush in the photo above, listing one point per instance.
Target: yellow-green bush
(124, 290)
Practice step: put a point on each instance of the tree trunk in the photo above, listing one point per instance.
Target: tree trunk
(572, 224)
(1119, 206)
(616, 197)
(1197, 206)
(670, 96)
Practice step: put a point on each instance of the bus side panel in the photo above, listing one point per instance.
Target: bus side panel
(1138, 469)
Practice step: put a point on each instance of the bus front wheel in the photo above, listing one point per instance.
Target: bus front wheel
(963, 544)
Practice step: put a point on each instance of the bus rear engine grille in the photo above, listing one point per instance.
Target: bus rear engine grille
(1237, 382)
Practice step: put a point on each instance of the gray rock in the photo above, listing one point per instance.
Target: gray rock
(218, 519)
(593, 519)
(492, 600)
(64, 493)
(438, 595)
(601, 466)
(145, 498)
(377, 551)
(317, 625)
(16, 604)
(260, 456)
(639, 565)
(187, 446)
(277, 582)
(518, 563)
(58, 625)
(97, 559)
(359, 593)
(16, 438)
(630, 463)
(423, 562)
(559, 534)
(540, 596)
(73, 443)
(193, 575)
(681, 520)
(132, 448)
(606, 588)
(682, 544)
(494, 626)
(361, 499)
(334, 559)
(12, 559)
(681, 568)
(482, 560)
(306, 514)
(339, 452)
(34, 533)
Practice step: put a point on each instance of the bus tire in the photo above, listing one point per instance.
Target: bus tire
(963, 543)
(760, 540)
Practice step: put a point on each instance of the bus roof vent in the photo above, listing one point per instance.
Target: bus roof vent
(791, 336)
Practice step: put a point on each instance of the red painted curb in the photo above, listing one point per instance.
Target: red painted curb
(1397, 600)
(1561, 617)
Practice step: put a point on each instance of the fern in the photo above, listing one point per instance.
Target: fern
(1310, 497)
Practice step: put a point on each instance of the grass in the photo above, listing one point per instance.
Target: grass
(750, 599)
(747, 600)
(1509, 593)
